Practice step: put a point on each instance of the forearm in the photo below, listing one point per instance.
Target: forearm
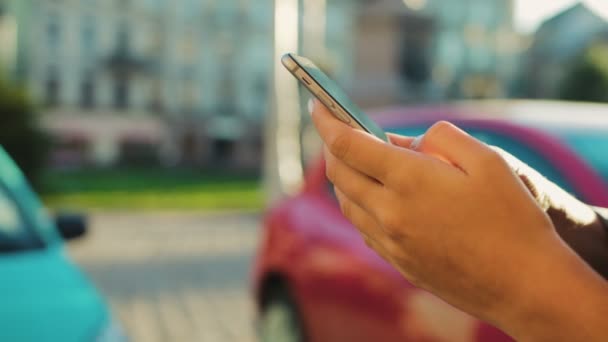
(576, 222)
(560, 299)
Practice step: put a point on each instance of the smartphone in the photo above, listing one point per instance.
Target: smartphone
(330, 94)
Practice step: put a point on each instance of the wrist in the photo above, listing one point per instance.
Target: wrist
(588, 239)
(559, 299)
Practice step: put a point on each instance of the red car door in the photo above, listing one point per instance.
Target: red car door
(346, 292)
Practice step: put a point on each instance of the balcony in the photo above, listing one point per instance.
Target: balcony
(124, 62)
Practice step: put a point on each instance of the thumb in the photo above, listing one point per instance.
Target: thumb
(454, 146)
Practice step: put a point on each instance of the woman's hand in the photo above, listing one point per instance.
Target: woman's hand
(453, 218)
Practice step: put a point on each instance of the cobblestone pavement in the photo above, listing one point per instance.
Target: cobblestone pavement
(174, 277)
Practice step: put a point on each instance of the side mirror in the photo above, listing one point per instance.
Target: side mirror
(71, 226)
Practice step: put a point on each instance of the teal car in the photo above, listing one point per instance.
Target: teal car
(43, 294)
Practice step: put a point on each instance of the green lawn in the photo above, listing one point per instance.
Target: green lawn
(143, 189)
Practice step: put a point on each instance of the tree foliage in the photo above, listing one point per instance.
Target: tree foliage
(20, 134)
(587, 80)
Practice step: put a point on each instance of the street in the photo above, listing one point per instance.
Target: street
(174, 276)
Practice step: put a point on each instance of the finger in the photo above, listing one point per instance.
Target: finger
(386, 163)
(371, 231)
(451, 144)
(360, 150)
(363, 190)
(400, 140)
(362, 220)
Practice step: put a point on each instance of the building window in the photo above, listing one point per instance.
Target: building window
(87, 92)
(52, 88)
(88, 37)
(222, 151)
(260, 91)
(226, 90)
(53, 33)
(121, 92)
(189, 96)
(156, 100)
(123, 38)
(415, 54)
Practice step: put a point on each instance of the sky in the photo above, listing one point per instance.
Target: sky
(531, 13)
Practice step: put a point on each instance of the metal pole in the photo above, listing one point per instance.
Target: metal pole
(283, 170)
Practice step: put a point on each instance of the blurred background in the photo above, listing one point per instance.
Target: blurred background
(171, 124)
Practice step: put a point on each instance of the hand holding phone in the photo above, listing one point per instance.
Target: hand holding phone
(330, 94)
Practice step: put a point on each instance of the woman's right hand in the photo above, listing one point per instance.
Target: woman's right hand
(468, 230)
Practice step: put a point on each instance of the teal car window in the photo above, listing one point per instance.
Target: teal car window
(15, 233)
(524, 153)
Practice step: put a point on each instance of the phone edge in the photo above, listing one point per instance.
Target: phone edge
(289, 62)
(293, 67)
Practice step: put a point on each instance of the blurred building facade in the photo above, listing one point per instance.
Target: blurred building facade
(434, 50)
(558, 43)
(147, 77)
(189, 81)
(181, 81)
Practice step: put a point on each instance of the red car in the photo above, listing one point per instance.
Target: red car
(316, 280)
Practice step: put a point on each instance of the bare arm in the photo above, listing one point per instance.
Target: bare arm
(562, 300)
(578, 224)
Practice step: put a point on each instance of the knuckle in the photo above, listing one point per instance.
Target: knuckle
(391, 170)
(395, 233)
(405, 185)
(490, 159)
(389, 220)
(340, 146)
(438, 129)
(346, 208)
(330, 172)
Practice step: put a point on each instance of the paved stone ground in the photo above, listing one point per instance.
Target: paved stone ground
(174, 276)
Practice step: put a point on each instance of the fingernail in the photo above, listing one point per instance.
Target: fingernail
(311, 105)
(416, 143)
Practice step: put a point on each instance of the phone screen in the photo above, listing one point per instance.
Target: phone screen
(332, 89)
